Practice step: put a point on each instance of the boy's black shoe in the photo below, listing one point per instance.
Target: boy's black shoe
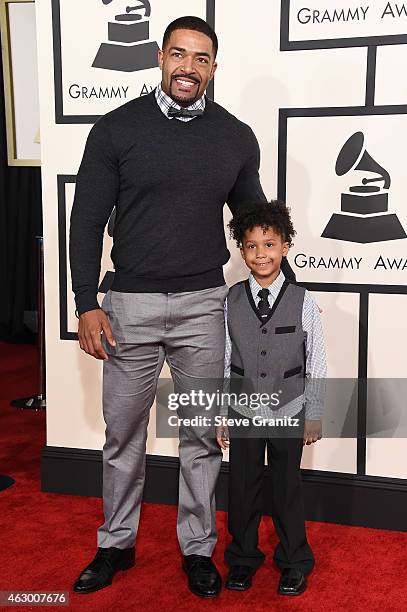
(99, 573)
(292, 582)
(240, 577)
(203, 577)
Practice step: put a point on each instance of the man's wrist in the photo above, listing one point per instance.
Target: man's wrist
(81, 310)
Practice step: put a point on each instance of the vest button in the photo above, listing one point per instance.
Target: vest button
(264, 353)
(264, 331)
(263, 375)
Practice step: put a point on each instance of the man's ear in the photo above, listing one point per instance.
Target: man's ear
(215, 65)
(160, 59)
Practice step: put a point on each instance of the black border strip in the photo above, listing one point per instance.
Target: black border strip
(64, 334)
(330, 43)
(371, 76)
(60, 117)
(355, 288)
(210, 18)
(343, 111)
(362, 382)
(349, 499)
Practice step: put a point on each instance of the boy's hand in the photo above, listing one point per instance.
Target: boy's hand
(312, 431)
(222, 436)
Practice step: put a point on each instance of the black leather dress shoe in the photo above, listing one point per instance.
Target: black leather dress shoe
(203, 577)
(99, 573)
(292, 582)
(240, 577)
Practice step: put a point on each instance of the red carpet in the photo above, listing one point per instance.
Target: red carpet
(46, 539)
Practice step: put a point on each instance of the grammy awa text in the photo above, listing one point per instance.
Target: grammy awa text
(301, 260)
(342, 14)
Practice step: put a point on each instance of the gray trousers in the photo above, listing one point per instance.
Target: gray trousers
(187, 330)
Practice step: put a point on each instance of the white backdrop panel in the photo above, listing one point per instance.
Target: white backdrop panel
(340, 319)
(23, 57)
(255, 79)
(91, 86)
(387, 339)
(322, 19)
(390, 89)
(314, 192)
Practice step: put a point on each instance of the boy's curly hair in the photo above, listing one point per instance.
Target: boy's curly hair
(274, 214)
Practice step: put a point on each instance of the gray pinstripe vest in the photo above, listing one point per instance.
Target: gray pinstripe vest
(268, 355)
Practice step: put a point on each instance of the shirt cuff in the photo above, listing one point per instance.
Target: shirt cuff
(85, 303)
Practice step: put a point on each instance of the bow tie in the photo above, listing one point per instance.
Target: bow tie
(264, 306)
(184, 112)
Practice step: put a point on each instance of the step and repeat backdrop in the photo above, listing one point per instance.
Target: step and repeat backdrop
(321, 84)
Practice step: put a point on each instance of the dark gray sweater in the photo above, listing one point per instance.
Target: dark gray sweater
(169, 181)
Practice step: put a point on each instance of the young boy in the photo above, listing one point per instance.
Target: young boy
(273, 333)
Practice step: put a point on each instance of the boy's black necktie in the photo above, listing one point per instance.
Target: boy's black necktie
(264, 306)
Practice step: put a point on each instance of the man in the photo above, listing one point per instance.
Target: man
(168, 161)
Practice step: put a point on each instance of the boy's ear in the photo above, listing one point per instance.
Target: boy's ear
(286, 248)
(241, 251)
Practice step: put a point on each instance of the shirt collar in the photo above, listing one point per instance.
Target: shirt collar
(165, 103)
(274, 288)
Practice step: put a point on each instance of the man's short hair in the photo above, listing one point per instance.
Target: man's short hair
(191, 23)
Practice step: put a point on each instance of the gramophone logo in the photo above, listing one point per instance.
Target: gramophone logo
(128, 49)
(364, 215)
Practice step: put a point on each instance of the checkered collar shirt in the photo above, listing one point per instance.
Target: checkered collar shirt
(165, 103)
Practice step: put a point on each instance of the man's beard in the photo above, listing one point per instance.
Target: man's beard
(183, 101)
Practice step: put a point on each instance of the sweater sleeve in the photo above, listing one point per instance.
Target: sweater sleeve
(247, 188)
(97, 188)
(287, 270)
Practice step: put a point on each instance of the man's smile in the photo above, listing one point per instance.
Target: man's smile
(185, 84)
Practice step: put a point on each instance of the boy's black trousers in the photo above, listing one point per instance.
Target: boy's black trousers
(246, 471)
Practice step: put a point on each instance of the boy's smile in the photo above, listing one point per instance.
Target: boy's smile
(263, 250)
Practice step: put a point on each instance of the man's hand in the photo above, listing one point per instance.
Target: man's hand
(91, 325)
(312, 431)
(222, 436)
